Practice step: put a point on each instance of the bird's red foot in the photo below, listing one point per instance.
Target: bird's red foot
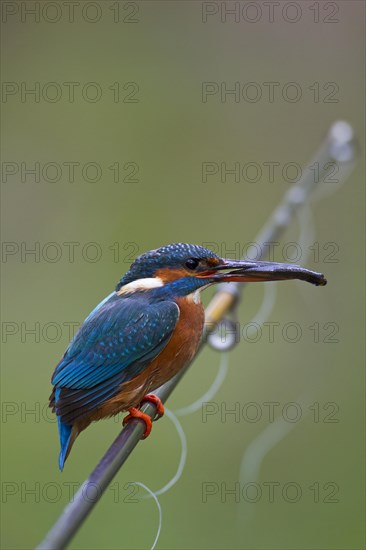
(136, 413)
(152, 398)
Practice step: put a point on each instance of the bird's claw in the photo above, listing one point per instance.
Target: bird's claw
(152, 398)
(134, 412)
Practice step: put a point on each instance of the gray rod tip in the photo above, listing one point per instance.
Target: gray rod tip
(342, 144)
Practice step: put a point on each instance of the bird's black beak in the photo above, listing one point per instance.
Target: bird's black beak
(245, 271)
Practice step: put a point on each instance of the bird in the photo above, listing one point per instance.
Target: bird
(144, 333)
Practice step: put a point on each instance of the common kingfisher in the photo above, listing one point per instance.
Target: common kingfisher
(143, 333)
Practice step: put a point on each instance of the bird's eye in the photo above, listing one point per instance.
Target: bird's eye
(192, 263)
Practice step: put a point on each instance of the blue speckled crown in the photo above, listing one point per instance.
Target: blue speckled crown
(172, 255)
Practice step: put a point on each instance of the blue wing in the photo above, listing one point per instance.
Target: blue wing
(115, 343)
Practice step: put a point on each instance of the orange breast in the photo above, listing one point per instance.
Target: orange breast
(182, 346)
(178, 352)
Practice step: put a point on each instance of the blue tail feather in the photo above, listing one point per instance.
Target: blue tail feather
(65, 435)
(65, 431)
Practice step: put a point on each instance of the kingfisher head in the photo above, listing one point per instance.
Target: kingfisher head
(185, 268)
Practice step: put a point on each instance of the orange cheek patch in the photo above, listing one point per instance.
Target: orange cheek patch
(167, 275)
(213, 262)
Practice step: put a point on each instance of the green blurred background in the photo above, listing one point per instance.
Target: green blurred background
(167, 50)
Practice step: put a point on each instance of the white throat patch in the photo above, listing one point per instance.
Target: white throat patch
(141, 284)
(195, 297)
